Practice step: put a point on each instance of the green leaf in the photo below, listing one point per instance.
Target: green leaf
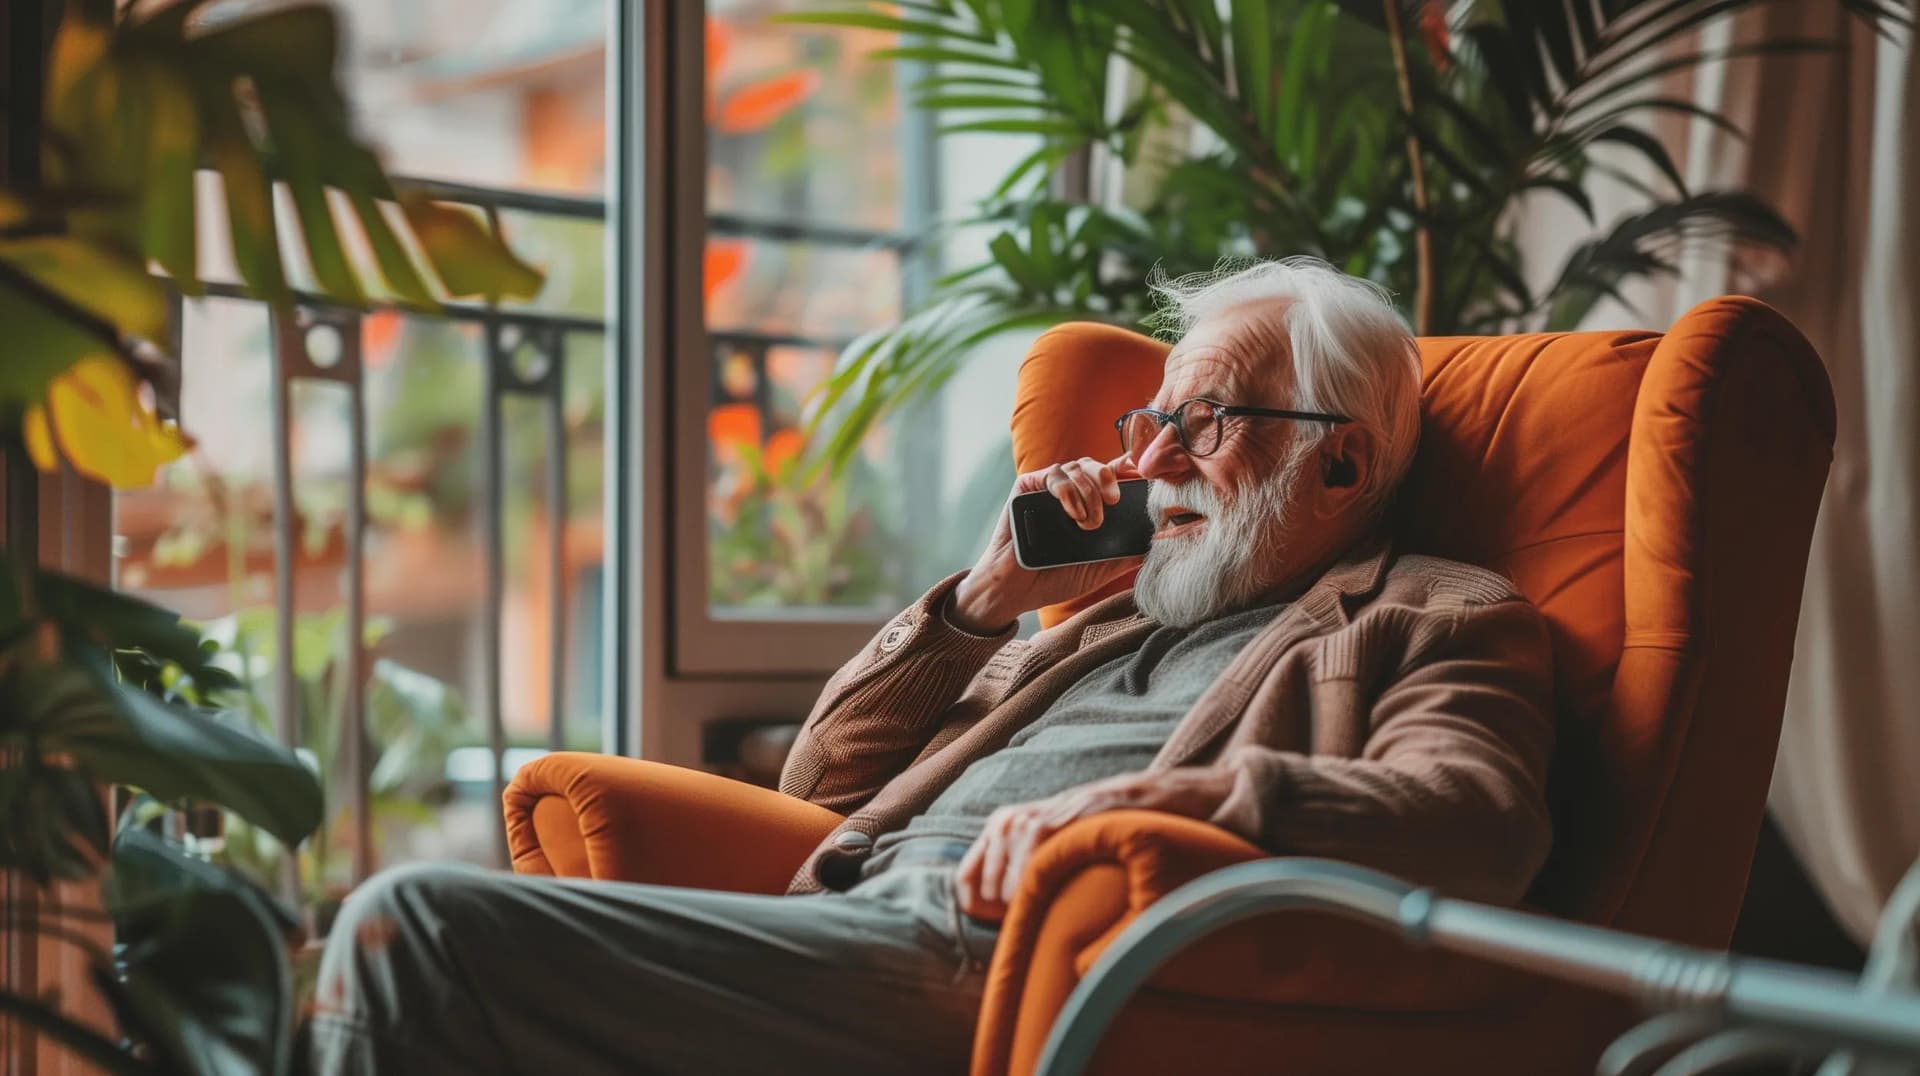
(1506, 79)
(1056, 128)
(1649, 147)
(402, 700)
(303, 151)
(167, 206)
(1593, 88)
(52, 823)
(1040, 244)
(1251, 25)
(1677, 105)
(112, 619)
(933, 83)
(1644, 244)
(127, 736)
(204, 955)
(930, 54)
(42, 345)
(249, 197)
(938, 101)
(107, 283)
(1006, 251)
(469, 257)
(1568, 189)
(298, 41)
(1040, 159)
(873, 20)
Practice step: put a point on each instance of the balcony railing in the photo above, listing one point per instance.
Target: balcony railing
(524, 356)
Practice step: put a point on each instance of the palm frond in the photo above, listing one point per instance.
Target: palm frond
(1648, 243)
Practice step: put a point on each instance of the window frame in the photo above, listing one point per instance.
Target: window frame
(801, 644)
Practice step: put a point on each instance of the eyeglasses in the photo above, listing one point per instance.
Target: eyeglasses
(1197, 423)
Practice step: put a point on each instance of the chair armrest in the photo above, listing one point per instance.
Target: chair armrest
(621, 819)
(1086, 883)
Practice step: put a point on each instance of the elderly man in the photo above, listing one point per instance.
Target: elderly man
(1277, 671)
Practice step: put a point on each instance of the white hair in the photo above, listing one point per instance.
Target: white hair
(1352, 354)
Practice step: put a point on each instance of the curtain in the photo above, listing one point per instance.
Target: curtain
(1834, 143)
(1847, 787)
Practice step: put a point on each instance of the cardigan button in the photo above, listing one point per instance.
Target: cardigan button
(895, 635)
(853, 840)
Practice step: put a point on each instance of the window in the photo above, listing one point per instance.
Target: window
(823, 189)
(472, 443)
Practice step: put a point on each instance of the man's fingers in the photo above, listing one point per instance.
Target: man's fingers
(1062, 488)
(1105, 487)
(1019, 847)
(992, 855)
(969, 872)
(1087, 486)
(1123, 467)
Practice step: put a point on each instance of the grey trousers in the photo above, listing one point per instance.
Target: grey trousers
(433, 969)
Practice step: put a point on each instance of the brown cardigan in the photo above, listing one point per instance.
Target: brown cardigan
(1398, 715)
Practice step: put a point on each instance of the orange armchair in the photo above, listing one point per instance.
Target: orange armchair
(1653, 494)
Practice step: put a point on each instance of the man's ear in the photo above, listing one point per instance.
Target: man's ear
(1345, 460)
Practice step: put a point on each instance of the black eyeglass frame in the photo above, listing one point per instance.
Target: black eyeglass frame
(1220, 410)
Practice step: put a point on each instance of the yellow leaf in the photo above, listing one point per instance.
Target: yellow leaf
(77, 48)
(103, 428)
(470, 258)
(39, 439)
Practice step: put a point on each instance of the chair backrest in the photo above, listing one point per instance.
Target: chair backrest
(1654, 496)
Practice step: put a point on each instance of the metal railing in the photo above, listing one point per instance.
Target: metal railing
(506, 332)
(1719, 1009)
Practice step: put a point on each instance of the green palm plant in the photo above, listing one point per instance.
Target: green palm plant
(1394, 138)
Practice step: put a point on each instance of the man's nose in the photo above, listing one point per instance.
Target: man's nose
(1164, 458)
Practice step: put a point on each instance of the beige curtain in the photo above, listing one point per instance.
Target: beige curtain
(1847, 788)
(1835, 145)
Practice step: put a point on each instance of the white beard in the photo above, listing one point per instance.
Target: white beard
(1191, 579)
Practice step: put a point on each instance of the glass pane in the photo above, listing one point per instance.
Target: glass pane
(812, 167)
(504, 94)
(499, 93)
(801, 125)
(805, 156)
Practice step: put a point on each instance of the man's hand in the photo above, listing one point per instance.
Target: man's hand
(998, 589)
(990, 872)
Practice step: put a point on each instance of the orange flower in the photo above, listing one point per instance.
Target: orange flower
(379, 331)
(782, 449)
(754, 107)
(723, 261)
(729, 426)
(95, 416)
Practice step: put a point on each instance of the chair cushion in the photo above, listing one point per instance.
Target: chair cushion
(1523, 469)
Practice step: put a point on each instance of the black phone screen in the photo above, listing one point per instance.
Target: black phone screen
(1044, 536)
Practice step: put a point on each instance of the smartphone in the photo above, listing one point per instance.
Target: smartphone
(1044, 536)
